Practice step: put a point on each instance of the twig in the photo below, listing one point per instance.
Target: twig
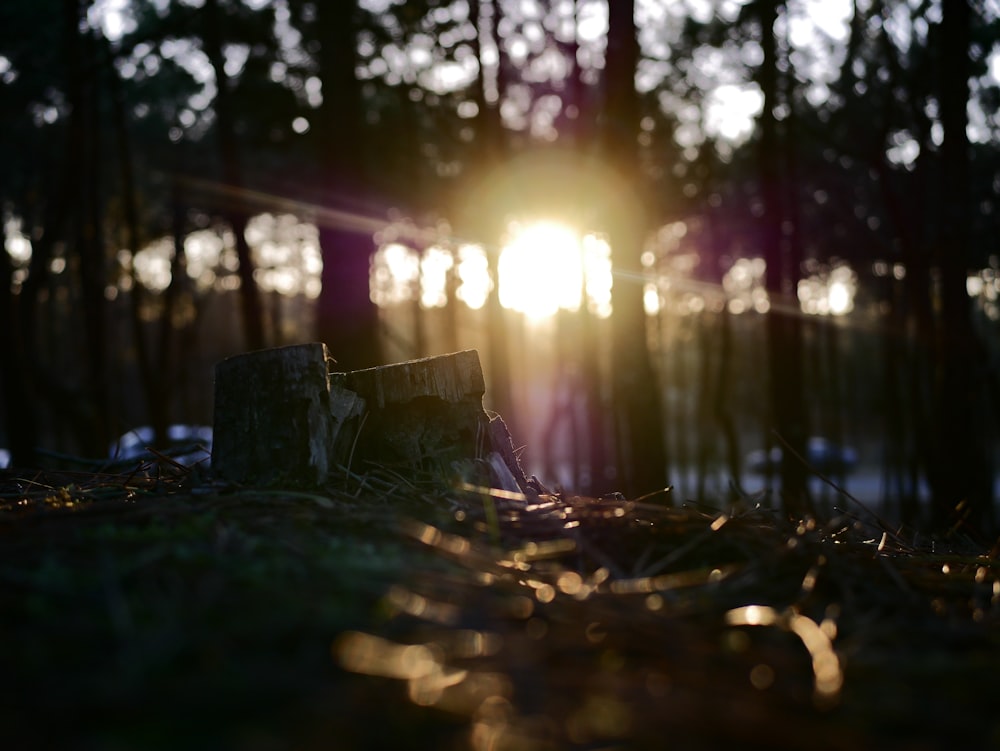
(839, 488)
(354, 443)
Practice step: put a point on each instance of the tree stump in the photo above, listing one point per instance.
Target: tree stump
(282, 417)
(273, 421)
(427, 413)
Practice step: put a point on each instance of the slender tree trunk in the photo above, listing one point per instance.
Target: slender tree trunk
(449, 315)
(595, 421)
(83, 186)
(910, 325)
(93, 264)
(960, 476)
(232, 171)
(582, 141)
(706, 367)
(723, 398)
(166, 352)
(490, 225)
(783, 323)
(833, 424)
(36, 375)
(151, 375)
(895, 488)
(635, 388)
(17, 392)
(722, 384)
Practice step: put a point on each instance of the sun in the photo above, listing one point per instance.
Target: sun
(547, 266)
(540, 270)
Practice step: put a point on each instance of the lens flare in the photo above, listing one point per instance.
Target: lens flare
(547, 267)
(541, 271)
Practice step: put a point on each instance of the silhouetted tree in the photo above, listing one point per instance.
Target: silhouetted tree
(346, 318)
(489, 225)
(783, 322)
(637, 399)
(959, 473)
(232, 170)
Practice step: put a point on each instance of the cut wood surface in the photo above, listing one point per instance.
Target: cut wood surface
(453, 378)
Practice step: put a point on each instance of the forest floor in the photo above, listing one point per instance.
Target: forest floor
(156, 608)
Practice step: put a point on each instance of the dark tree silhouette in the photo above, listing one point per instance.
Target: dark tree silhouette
(783, 322)
(959, 475)
(581, 136)
(491, 148)
(642, 460)
(346, 318)
(232, 170)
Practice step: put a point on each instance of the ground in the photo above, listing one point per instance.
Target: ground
(156, 608)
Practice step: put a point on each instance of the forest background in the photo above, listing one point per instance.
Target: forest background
(744, 223)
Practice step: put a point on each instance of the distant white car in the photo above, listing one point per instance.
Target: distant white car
(186, 444)
(821, 454)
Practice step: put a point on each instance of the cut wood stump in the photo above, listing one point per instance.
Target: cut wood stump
(282, 417)
(272, 416)
(427, 412)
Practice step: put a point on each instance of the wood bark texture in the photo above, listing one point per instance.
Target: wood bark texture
(272, 416)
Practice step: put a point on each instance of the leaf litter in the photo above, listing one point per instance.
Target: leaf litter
(153, 606)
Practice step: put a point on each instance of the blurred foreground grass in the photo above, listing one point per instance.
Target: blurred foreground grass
(156, 609)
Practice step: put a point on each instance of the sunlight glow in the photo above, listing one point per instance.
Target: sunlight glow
(984, 287)
(547, 267)
(16, 243)
(395, 274)
(731, 110)
(829, 293)
(541, 270)
(286, 254)
(597, 275)
(474, 283)
(840, 297)
(202, 250)
(744, 286)
(651, 299)
(400, 274)
(434, 273)
(152, 264)
(112, 17)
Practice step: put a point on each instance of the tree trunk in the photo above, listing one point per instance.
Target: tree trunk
(17, 391)
(81, 184)
(783, 324)
(635, 387)
(490, 224)
(704, 372)
(93, 266)
(582, 136)
(346, 318)
(152, 375)
(722, 412)
(960, 475)
(253, 325)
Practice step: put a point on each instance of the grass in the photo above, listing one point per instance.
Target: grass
(151, 607)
